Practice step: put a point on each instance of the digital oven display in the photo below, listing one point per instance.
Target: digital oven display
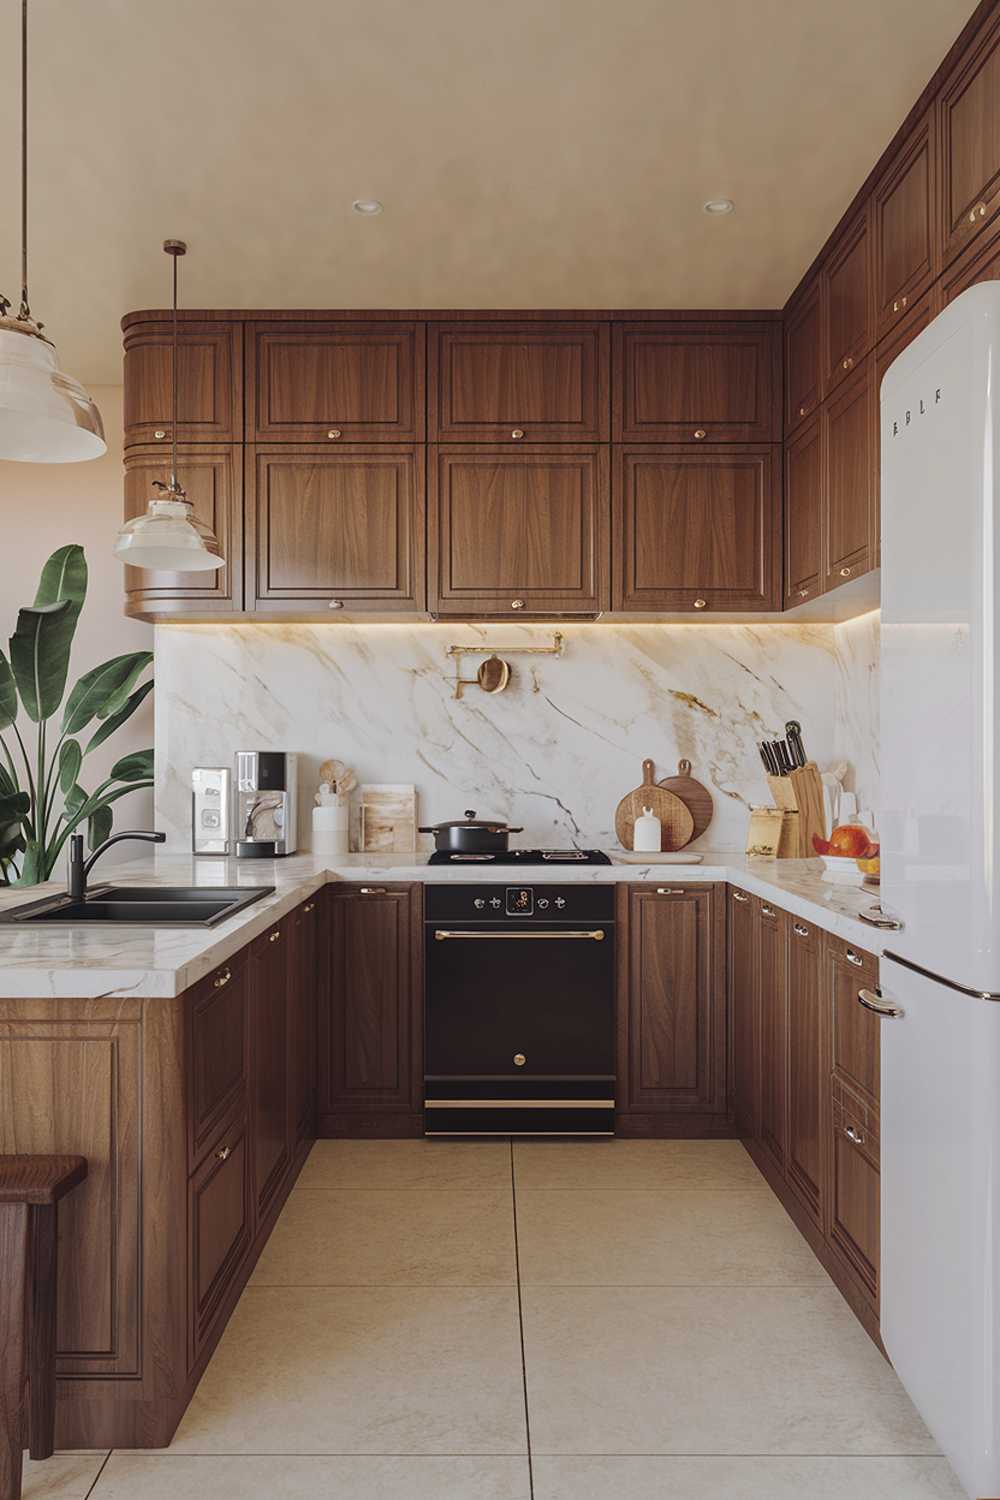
(520, 901)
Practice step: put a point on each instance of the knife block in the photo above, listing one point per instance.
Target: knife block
(801, 791)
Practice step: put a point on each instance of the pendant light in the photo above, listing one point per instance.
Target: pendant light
(168, 536)
(46, 417)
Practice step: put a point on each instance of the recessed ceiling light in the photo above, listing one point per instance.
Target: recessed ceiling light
(369, 207)
(719, 206)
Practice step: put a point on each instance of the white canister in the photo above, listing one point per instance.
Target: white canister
(330, 833)
(647, 833)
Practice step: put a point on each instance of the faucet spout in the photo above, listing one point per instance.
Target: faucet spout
(79, 868)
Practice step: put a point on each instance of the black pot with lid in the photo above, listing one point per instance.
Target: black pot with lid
(471, 835)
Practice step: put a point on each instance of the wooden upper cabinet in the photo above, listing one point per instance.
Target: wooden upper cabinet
(848, 301)
(516, 532)
(691, 382)
(906, 223)
(696, 528)
(981, 262)
(850, 420)
(336, 382)
(518, 382)
(213, 479)
(209, 383)
(969, 108)
(803, 355)
(676, 1001)
(336, 529)
(805, 481)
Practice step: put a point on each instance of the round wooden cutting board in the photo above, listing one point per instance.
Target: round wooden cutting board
(697, 798)
(676, 820)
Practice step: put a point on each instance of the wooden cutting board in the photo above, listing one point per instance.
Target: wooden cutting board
(697, 798)
(676, 820)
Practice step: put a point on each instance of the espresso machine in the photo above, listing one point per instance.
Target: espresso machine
(266, 803)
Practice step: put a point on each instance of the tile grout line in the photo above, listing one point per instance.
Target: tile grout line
(520, 1324)
(97, 1476)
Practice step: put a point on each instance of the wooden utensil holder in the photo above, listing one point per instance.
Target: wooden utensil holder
(801, 791)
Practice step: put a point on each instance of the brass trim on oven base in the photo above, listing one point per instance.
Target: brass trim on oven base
(519, 1104)
(443, 934)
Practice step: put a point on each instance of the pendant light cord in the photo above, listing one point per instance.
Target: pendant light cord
(173, 397)
(25, 310)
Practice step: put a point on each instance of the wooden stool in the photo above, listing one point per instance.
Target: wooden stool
(30, 1188)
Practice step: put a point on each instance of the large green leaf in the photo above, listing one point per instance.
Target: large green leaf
(64, 576)
(70, 758)
(7, 782)
(11, 840)
(8, 694)
(13, 807)
(75, 799)
(34, 866)
(134, 767)
(116, 720)
(39, 656)
(99, 799)
(99, 826)
(107, 684)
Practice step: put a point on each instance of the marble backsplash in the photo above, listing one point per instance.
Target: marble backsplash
(553, 753)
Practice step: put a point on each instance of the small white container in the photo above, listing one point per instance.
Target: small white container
(647, 833)
(330, 830)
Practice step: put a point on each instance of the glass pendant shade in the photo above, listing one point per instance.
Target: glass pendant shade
(46, 417)
(169, 538)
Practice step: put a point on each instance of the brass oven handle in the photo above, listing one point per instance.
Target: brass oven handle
(441, 935)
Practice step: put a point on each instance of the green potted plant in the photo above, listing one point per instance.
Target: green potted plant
(42, 800)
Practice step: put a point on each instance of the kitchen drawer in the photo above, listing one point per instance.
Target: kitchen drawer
(219, 1052)
(856, 1120)
(220, 1218)
(855, 1204)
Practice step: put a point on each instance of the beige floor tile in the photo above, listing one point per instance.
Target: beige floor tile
(407, 1164)
(363, 1371)
(335, 1237)
(64, 1476)
(634, 1164)
(714, 1371)
(144, 1477)
(679, 1237)
(745, 1479)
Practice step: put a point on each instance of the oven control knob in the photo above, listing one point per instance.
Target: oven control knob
(519, 1059)
(560, 902)
(479, 903)
(543, 903)
(495, 901)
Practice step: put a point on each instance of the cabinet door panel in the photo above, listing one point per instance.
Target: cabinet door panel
(805, 481)
(695, 524)
(743, 982)
(804, 359)
(209, 383)
(213, 479)
(677, 1048)
(531, 382)
(808, 1067)
(970, 142)
(367, 1040)
(854, 1227)
(529, 525)
(855, 1036)
(346, 525)
(981, 262)
(773, 1037)
(850, 420)
(336, 382)
(906, 219)
(306, 971)
(219, 1058)
(220, 1215)
(848, 303)
(689, 382)
(273, 1125)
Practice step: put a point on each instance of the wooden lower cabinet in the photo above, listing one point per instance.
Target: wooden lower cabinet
(221, 1220)
(672, 1045)
(772, 1035)
(808, 1066)
(272, 1061)
(370, 1024)
(743, 1011)
(854, 1207)
(309, 969)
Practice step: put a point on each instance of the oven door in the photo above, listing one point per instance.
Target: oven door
(519, 1032)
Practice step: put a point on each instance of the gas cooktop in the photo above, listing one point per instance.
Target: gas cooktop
(523, 857)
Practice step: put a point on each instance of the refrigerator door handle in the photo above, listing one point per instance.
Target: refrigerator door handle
(876, 917)
(885, 1009)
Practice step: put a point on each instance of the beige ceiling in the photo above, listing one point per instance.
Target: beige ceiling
(530, 153)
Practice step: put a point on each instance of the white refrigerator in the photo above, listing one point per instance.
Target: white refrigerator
(940, 834)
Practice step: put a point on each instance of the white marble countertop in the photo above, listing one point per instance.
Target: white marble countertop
(78, 962)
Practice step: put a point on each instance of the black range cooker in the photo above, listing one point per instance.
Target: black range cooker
(519, 1009)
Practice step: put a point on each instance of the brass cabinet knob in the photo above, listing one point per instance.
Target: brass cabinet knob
(334, 432)
(800, 929)
(847, 364)
(701, 604)
(335, 604)
(904, 300)
(224, 1154)
(979, 212)
(309, 906)
(853, 958)
(896, 305)
(846, 572)
(803, 410)
(700, 433)
(517, 604)
(519, 1059)
(854, 1135)
(221, 980)
(803, 593)
(274, 936)
(517, 433)
(768, 911)
(373, 890)
(159, 434)
(740, 896)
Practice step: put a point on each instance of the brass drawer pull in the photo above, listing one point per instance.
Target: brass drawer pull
(853, 1135)
(159, 434)
(872, 1000)
(739, 896)
(517, 433)
(800, 929)
(221, 980)
(768, 911)
(224, 1154)
(373, 890)
(846, 572)
(803, 593)
(517, 604)
(847, 364)
(519, 1059)
(666, 890)
(979, 212)
(274, 936)
(335, 604)
(443, 935)
(701, 604)
(309, 906)
(700, 433)
(334, 432)
(854, 958)
(803, 410)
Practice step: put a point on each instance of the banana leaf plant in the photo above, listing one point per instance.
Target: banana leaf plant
(42, 798)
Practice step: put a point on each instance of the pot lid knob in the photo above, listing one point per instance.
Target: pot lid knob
(470, 812)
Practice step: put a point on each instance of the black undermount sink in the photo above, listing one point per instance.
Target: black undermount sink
(140, 906)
